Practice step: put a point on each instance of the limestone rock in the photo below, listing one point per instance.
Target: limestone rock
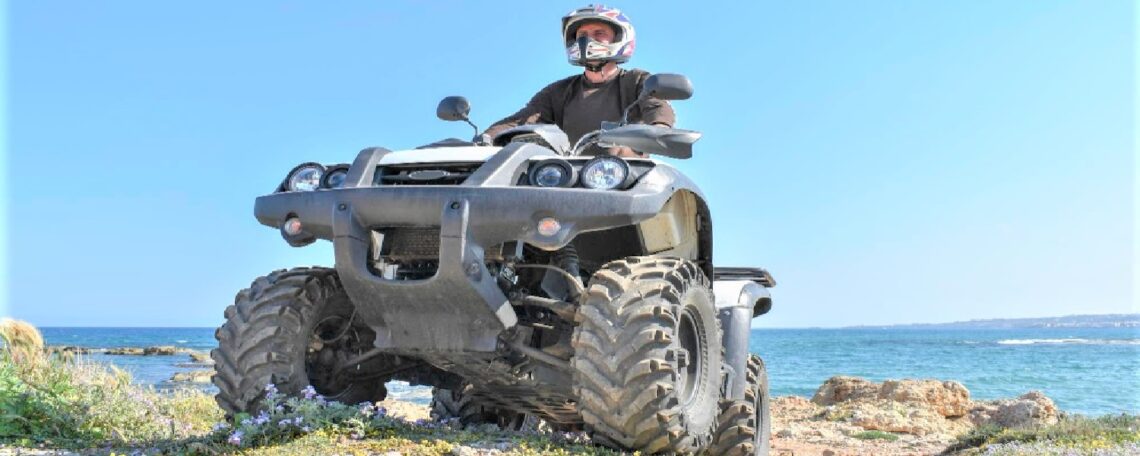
(948, 398)
(198, 376)
(842, 389)
(201, 358)
(893, 416)
(125, 351)
(1029, 409)
(164, 350)
(69, 349)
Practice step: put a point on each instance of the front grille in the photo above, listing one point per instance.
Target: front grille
(407, 253)
(425, 173)
(408, 244)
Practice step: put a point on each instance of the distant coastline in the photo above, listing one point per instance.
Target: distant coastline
(1068, 321)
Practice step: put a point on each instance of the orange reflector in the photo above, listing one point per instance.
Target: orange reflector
(292, 226)
(549, 226)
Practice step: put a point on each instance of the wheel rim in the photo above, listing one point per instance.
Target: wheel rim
(332, 341)
(689, 356)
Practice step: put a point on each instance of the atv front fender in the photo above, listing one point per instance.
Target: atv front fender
(737, 301)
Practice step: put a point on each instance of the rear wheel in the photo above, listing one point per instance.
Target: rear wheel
(293, 329)
(647, 359)
(744, 427)
(461, 405)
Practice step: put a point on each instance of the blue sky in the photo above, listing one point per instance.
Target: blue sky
(888, 161)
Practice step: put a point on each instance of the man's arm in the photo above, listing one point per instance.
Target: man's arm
(539, 109)
(652, 111)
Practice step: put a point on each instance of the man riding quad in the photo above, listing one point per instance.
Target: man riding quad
(597, 38)
(538, 272)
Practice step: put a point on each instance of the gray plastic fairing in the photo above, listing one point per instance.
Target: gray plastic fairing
(653, 139)
(549, 133)
(460, 308)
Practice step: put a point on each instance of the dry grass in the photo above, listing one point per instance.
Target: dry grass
(22, 342)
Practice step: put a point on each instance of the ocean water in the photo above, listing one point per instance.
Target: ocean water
(1092, 371)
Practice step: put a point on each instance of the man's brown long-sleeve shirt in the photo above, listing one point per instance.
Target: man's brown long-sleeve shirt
(578, 106)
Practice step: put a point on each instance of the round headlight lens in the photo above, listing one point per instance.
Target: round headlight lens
(549, 176)
(604, 173)
(334, 177)
(553, 172)
(306, 177)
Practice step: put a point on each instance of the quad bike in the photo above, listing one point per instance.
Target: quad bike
(519, 279)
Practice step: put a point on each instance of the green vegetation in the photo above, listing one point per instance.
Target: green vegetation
(1115, 434)
(876, 435)
(56, 401)
(61, 402)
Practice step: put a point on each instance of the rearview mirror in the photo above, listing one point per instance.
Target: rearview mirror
(667, 86)
(453, 108)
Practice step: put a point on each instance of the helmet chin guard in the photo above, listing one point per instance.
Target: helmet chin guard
(587, 57)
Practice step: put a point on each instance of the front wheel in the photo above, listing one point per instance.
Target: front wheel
(293, 329)
(647, 356)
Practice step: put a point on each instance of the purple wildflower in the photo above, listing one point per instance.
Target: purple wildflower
(297, 420)
(270, 390)
(235, 438)
(306, 429)
(220, 426)
(283, 423)
(261, 418)
(309, 392)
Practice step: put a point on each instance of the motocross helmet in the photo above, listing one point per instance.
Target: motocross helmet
(579, 51)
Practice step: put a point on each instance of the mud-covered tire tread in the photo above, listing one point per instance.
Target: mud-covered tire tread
(444, 404)
(257, 345)
(468, 409)
(622, 362)
(736, 432)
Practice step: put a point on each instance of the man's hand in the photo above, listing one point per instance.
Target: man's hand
(623, 151)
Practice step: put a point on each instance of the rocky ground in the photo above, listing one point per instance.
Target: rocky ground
(846, 416)
(853, 416)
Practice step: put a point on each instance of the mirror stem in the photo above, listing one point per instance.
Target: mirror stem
(625, 113)
(472, 124)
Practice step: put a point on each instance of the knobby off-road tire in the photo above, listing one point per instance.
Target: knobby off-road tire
(274, 333)
(647, 361)
(744, 426)
(470, 411)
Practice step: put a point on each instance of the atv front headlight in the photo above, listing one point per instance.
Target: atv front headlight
(305, 177)
(553, 172)
(604, 173)
(334, 176)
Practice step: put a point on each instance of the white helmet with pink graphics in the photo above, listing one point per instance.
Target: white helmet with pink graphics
(590, 53)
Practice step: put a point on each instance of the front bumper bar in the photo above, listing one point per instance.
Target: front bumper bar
(460, 308)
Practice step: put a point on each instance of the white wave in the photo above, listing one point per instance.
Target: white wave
(1069, 341)
(181, 341)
